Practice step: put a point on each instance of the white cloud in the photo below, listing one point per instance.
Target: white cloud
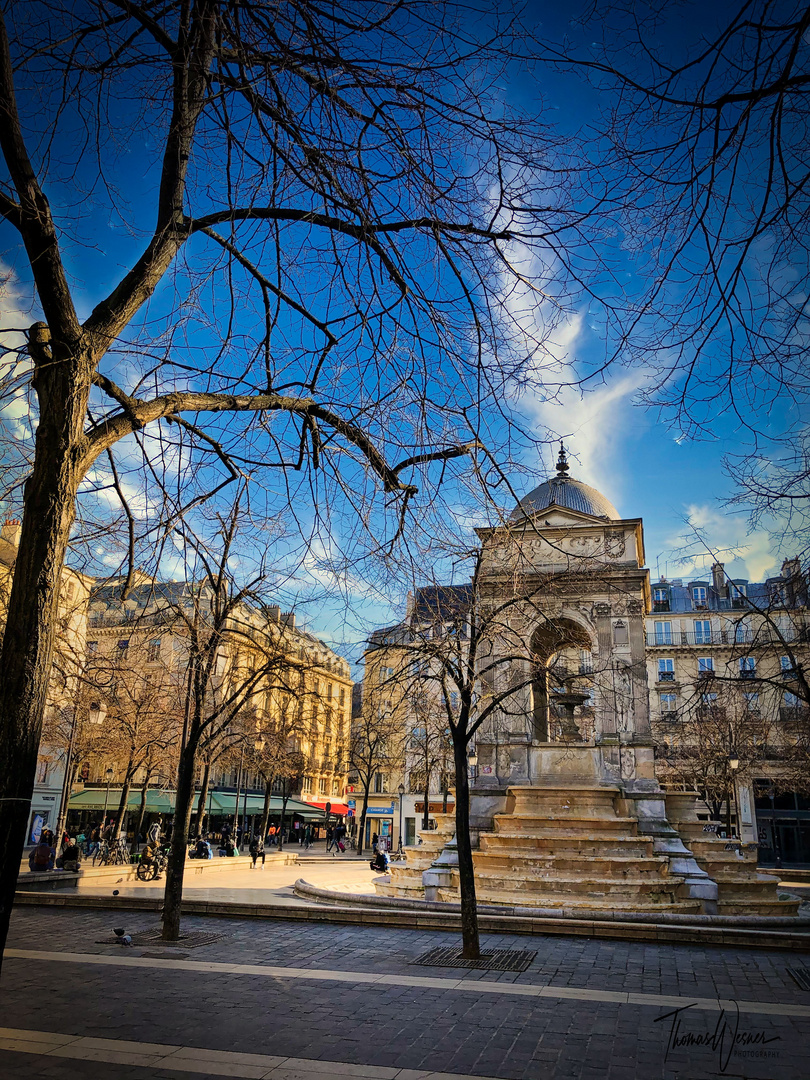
(712, 535)
(15, 315)
(593, 420)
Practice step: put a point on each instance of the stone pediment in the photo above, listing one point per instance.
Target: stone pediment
(556, 517)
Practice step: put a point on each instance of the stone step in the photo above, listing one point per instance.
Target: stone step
(579, 799)
(585, 843)
(758, 907)
(536, 824)
(566, 887)
(578, 903)
(545, 864)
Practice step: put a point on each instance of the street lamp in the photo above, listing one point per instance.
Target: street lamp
(109, 774)
(401, 790)
(472, 761)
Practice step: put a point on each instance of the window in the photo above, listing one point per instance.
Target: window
(335, 787)
(790, 700)
(748, 667)
(343, 695)
(703, 632)
(705, 667)
(585, 662)
(699, 596)
(122, 645)
(666, 670)
(379, 783)
(620, 633)
(42, 771)
(153, 650)
(708, 700)
(663, 633)
(92, 646)
(668, 703)
(329, 689)
(660, 600)
(788, 670)
(751, 702)
(322, 789)
(742, 632)
(306, 787)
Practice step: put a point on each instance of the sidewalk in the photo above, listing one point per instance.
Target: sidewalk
(321, 1002)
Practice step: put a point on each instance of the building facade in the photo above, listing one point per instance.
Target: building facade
(727, 664)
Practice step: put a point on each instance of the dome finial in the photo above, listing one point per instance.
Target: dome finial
(562, 463)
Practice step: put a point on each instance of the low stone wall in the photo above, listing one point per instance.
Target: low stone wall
(48, 880)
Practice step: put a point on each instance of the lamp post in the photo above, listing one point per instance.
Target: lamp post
(733, 764)
(109, 775)
(401, 790)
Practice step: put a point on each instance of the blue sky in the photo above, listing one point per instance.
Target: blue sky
(645, 466)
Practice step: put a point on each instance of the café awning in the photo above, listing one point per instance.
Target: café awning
(218, 803)
(335, 807)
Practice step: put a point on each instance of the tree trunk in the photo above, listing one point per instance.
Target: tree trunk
(284, 798)
(122, 804)
(61, 823)
(141, 814)
(363, 812)
(471, 949)
(62, 383)
(173, 893)
(426, 808)
(201, 811)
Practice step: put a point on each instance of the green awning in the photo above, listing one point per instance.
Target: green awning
(157, 801)
(218, 803)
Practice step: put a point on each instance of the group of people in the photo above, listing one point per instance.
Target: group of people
(43, 855)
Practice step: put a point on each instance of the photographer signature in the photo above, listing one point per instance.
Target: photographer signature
(724, 1039)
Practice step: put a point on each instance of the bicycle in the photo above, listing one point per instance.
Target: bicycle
(102, 854)
(149, 871)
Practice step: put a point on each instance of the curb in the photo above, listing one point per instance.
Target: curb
(445, 921)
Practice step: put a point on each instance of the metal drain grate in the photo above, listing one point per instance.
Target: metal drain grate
(801, 976)
(192, 940)
(497, 960)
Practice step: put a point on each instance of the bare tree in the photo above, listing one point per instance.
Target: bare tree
(371, 142)
(428, 747)
(376, 747)
(142, 712)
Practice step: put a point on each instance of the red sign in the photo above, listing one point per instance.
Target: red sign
(433, 807)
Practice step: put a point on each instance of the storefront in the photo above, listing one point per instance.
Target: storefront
(380, 820)
(783, 825)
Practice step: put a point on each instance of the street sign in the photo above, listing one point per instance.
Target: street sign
(352, 803)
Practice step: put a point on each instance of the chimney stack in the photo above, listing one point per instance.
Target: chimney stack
(12, 528)
(719, 580)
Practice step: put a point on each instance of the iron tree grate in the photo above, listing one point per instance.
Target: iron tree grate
(801, 976)
(496, 960)
(192, 940)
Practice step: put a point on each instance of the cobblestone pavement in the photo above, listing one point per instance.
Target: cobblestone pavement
(428, 1025)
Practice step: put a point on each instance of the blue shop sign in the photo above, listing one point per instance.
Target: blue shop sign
(383, 810)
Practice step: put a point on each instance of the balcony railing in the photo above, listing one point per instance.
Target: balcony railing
(793, 714)
(761, 636)
(666, 676)
(748, 673)
(661, 605)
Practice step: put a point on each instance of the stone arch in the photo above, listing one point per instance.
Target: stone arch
(549, 639)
